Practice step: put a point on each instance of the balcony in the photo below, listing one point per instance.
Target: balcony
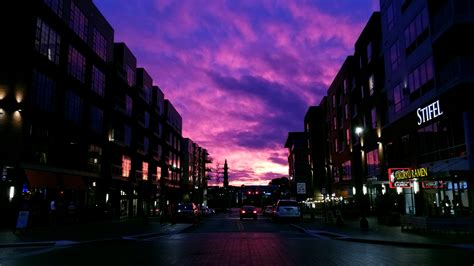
(458, 70)
(453, 12)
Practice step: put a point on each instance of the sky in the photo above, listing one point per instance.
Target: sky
(242, 73)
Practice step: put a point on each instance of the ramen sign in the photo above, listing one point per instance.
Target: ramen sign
(401, 177)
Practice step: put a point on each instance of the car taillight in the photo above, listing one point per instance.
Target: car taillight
(254, 211)
(243, 211)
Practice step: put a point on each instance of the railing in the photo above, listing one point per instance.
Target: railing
(455, 11)
(458, 69)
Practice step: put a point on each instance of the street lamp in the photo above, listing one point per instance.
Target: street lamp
(359, 130)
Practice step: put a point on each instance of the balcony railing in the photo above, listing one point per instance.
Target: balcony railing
(454, 11)
(457, 70)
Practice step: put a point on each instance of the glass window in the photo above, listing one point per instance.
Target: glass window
(371, 84)
(346, 171)
(334, 120)
(336, 146)
(96, 119)
(346, 111)
(390, 20)
(348, 136)
(76, 64)
(99, 45)
(43, 93)
(146, 117)
(127, 135)
(397, 98)
(128, 105)
(56, 6)
(373, 167)
(130, 75)
(429, 68)
(73, 107)
(126, 166)
(98, 81)
(47, 41)
(394, 56)
(158, 173)
(78, 22)
(369, 52)
(373, 114)
(145, 170)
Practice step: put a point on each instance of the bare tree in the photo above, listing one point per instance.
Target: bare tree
(217, 172)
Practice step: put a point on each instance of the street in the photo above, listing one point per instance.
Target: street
(224, 239)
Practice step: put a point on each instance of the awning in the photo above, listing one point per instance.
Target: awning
(41, 179)
(73, 182)
(448, 168)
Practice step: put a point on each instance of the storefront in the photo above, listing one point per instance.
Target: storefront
(430, 192)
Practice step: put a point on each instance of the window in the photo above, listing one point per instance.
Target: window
(158, 173)
(76, 64)
(398, 98)
(47, 41)
(334, 120)
(146, 119)
(394, 57)
(145, 170)
(126, 166)
(128, 105)
(98, 81)
(416, 32)
(346, 171)
(421, 75)
(94, 158)
(336, 145)
(373, 114)
(371, 84)
(346, 85)
(73, 107)
(334, 101)
(390, 17)
(346, 111)
(56, 6)
(127, 135)
(43, 93)
(348, 136)
(146, 144)
(369, 52)
(373, 167)
(99, 45)
(96, 119)
(78, 22)
(130, 75)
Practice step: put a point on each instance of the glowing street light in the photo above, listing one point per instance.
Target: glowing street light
(358, 131)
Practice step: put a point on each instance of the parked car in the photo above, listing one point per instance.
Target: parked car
(287, 209)
(187, 212)
(248, 212)
(268, 210)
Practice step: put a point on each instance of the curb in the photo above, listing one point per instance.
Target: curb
(392, 243)
(27, 244)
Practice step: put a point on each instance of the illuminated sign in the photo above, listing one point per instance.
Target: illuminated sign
(400, 177)
(429, 112)
(433, 184)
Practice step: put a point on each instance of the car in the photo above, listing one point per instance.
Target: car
(248, 212)
(268, 210)
(187, 212)
(287, 209)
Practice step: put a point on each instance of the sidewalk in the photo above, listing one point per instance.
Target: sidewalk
(382, 234)
(96, 231)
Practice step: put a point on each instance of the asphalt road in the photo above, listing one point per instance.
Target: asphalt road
(226, 240)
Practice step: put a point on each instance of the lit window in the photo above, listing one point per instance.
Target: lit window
(126, 166)
(47, 41)
(145, 170)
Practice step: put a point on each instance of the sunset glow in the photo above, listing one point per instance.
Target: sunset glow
(242, 74)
